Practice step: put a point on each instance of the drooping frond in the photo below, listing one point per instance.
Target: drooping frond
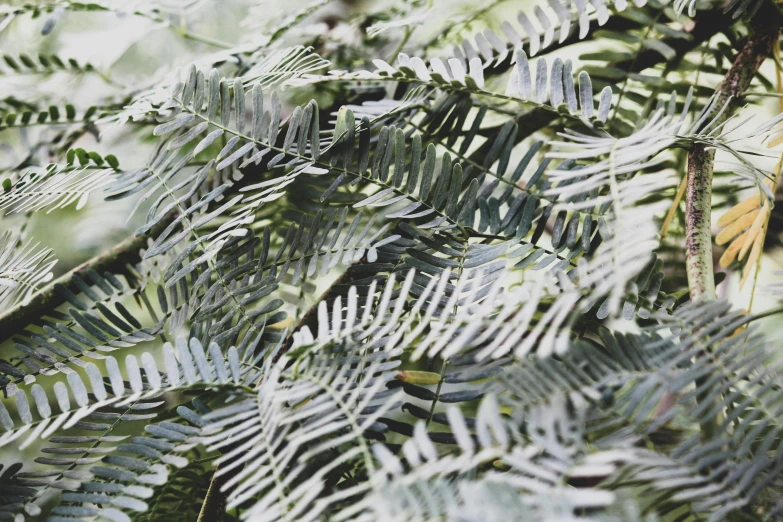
(188, 365)
(192, 110)
(324, 404)
(745, 460)
(115, 476)
(674, 363)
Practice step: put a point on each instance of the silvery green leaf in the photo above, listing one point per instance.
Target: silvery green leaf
(176, 123)
(586, 95)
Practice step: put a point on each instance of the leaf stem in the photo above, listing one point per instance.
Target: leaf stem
(766, 313)
(214, 506)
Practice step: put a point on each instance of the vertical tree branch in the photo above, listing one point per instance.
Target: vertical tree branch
(757, 47)
(698, 241)
(765, 29)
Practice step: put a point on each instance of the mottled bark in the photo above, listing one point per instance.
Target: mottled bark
(756, 48)
(698, 242)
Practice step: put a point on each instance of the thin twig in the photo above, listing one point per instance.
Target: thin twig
(48, 298)
(213, 508)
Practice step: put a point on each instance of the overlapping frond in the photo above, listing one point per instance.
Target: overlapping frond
(624, 156)
(550, 88)
(194, 108)
(442, 282)
(99, 470)
(188, 365)
(738, 8)
(95, 319)
(276, 439)
(423, 484)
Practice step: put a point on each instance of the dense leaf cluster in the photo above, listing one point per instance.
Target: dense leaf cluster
(380, 270)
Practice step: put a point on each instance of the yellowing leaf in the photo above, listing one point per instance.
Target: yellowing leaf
(755, 229)
(755, 252)
(741, 328)
(731, 253)
(747, 220)
(673, 209)
(736, 227)
(418, 377)
(739, 210)
(776, 140)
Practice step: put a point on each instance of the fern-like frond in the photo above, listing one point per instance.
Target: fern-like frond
(551, 88)
(189, 365)
(637, 152)
(124, 396)
(741, 8)
(53, 116)
(42, 64)
(92, 322)
(422, 484)
(23, 269)
(509, 322)
(323, 405)
(280, 67)
(192, 110)
(693, 356)
(54, 187)
(433, 286)
(556, 17)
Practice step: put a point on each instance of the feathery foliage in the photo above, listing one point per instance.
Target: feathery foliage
(404, 261)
